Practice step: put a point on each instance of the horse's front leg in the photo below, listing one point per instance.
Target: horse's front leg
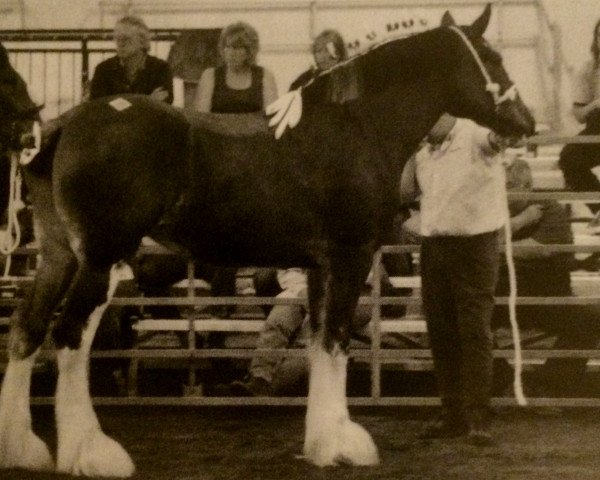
(331, 437)
(83, 449)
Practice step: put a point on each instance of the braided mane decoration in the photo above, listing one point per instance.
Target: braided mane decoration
(286, 111)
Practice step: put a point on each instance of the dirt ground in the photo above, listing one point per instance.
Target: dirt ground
(262, 443)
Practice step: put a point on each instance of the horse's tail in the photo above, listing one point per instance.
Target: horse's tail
(41, 164)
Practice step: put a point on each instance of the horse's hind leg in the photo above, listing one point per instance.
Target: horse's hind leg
(331, 437)
(19, 446)
(83, 449)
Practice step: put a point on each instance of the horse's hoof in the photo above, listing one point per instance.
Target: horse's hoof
(358, 448)
(101, 456)
(26, 451)
(346, 443)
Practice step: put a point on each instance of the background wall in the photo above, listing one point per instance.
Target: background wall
(286, 29)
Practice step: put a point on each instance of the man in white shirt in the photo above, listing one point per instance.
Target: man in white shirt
(461, 180)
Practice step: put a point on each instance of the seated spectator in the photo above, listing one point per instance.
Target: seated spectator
(580, 162)
(547, 274)
(132, 69)
(238, 85)
(286, 326)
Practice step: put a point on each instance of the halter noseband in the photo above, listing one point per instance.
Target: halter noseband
(510, 94)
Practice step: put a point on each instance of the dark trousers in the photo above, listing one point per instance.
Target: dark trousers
(458, 281)
(577, 160)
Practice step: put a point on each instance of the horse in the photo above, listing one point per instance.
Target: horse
(223, 190)
(17, 114)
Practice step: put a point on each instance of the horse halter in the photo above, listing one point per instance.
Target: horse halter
(510, 94)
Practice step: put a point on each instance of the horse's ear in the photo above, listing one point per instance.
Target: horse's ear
(447, 19)
(479, 26)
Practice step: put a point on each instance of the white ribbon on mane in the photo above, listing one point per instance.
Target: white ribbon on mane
(286, 111)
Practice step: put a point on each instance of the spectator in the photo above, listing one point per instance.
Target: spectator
(328, 49)
(461, 182)
(287, 325)
(284, 321)
(239, 85)
(547, 274)
(236, 86)
(579, 162)
(132, 69)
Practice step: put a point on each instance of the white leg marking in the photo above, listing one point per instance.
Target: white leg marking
(83, 449)
(19, 446)
(331, 437)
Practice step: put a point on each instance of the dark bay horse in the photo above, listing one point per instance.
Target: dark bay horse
(17, 113)
(225, 191)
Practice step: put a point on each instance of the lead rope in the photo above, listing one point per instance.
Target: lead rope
(12, 237)
(512, 308)
(509, 94)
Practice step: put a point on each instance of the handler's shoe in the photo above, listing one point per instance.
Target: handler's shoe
(446, 426)
(479, 429)
(480, 438)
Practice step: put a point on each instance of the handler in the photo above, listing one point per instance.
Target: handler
(463, 208)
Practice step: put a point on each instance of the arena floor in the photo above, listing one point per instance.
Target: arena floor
(264, 443)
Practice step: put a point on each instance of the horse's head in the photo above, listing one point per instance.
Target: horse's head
(482, 88)
(17, 110)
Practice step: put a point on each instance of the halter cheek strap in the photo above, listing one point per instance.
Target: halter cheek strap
(509, 94)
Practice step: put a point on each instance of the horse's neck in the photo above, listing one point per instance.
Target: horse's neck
(400, 117)
(404, 88)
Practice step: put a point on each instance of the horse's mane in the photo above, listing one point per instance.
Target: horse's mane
(350, 78)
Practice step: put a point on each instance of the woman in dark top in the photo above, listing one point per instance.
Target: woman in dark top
(132, 70)
(238, 85)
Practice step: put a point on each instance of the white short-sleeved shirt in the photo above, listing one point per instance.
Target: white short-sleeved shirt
(586, 84)
(462, 184)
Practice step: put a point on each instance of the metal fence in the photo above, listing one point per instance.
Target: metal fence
(57, 65)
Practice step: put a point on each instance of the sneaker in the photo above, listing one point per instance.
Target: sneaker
(446, 426)
(250, 387)
(479, 433)
(480, 438)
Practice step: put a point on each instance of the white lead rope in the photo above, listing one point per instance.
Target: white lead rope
(512, 310)
(12, 237)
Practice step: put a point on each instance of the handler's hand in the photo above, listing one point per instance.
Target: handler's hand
(159, 93)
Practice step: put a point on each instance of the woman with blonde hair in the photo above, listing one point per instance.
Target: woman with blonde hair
(238, 85)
